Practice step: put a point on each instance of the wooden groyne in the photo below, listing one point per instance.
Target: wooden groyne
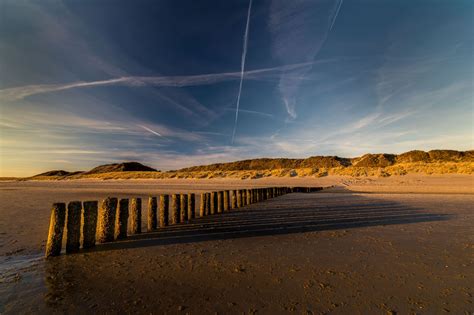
(116, 219)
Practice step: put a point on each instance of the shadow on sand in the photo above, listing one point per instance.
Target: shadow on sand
(292, 213)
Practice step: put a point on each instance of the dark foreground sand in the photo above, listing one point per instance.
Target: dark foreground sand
(338, 251)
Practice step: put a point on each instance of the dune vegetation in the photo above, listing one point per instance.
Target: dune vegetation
(380, 165)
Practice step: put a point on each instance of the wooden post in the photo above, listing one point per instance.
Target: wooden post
(208, 203)
(121, 225)
(136, 215)
(73, 226)
(239, 198)
(89, 228)
(213, 202)
(191, 206)
(226, 200)
(244, 197)
(108, 210)
(152, 221)
(56, 229)
(184, 208)
(175, 207)
(164, 205)
(202, 205)
(220, 202)
(248, 194)
(233, 204)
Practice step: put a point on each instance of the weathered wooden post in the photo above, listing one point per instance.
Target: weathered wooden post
(73, 226)
(184, 208)
(191, 206)
(164, 205)
(202, 205)
(248, 194)
(121, 226)
(213, 202)
(226, 200)
(108, 210)
(89, 228)
(239, 198)
(152, 221)
(56, 229)
(244, 197)
(175, 207)
(136, 215)
(220, 202)
(233, 204)
(208, 203)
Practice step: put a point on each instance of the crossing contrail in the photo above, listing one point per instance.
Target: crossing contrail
(335, 15)
(21, 92)
(242, 69)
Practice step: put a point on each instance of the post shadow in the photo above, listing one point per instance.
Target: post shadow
(288, 214)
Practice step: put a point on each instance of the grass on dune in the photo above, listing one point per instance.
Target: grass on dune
(398, 169)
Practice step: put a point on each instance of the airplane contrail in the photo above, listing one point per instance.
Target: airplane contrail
(335, 15)
(150, 130)
(21, 92)
(242, 69)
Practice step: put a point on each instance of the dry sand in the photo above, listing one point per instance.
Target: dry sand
(368, 245)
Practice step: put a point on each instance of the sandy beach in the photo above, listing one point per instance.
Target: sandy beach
(366, 245)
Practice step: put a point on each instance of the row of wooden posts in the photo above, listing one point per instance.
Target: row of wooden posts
(110, 222)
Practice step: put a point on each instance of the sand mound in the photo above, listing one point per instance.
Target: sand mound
(121, 167)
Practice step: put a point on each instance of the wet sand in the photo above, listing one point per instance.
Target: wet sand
(391, 244)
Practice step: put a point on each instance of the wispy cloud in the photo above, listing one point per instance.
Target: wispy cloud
(18, 93)
(304, 24)
(242, 69)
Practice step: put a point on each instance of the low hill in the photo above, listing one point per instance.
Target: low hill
(121, 167)
(102, 169)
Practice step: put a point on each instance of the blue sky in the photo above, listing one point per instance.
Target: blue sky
(84, 83)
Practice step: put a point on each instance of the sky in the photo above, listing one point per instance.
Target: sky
(182, 82)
